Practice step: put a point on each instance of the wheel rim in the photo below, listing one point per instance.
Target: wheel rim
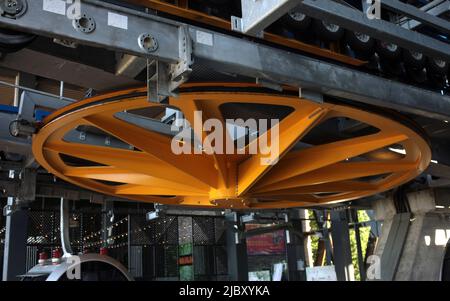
(440, 63)
(416, 55)
(390, 46)
(150, 172)
(362, 37)
(330, 26)
(297, 16)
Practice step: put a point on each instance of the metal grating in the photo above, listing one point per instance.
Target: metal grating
(32, 257)
(221, 260)
(154, 244)
(220, 227)
(203, 230)
(43, 228)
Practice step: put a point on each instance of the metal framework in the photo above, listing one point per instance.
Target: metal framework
(148, 170)
(254, 60)
(257, 15)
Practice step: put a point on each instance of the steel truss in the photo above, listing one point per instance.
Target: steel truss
(219, 51)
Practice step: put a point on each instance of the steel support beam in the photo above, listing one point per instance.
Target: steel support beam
(15, 252)
(433, 11)
(254, 60)
(49, 66)
(394, 245)
(114, 25)
(417, 14)
(258, 14)
(342, 255)
(275, 65)
(236, 249)
(295, 249)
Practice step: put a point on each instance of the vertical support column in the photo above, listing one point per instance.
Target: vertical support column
(362, 268)
(393, 249)
(341, 246)
(107, 221)
(236, 249)
(64, 228)
(326, 237)
(14, 260)
(322, 218)
(306, 226)
(295, 248)
(23, 80)
(129, 242)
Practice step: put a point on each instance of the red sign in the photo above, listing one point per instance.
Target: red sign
(266, 244)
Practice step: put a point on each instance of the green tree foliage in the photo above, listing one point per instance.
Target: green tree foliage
(364, 233)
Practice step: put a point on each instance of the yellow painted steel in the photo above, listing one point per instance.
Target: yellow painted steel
(151, 172)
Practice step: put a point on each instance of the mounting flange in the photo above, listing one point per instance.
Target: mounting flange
(147, 42)
(85, 24)
(13, 8)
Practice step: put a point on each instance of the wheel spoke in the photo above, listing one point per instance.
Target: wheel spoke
(124, 159)
(342, 186)
(189, 107)
(158, 146)
(291, 130)
(316, 157)
(114, 174)
(338, 172)
(281, 204)
(131, 189)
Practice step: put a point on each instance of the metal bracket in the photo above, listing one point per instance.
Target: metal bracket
(8, 210)
(157, 78)
(258, 14)
(179, 72)
(269, 84)
(152, 215)
(311, 95)
(162, 78)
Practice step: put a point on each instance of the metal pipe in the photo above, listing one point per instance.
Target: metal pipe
(61, 90)
(64, 228)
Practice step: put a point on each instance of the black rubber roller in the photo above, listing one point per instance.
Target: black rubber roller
(328, 31)
(11, 41)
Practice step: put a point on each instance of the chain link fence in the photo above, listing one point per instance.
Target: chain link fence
(150, 249)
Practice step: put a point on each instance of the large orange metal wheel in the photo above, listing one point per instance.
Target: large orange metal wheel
(378, 155)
